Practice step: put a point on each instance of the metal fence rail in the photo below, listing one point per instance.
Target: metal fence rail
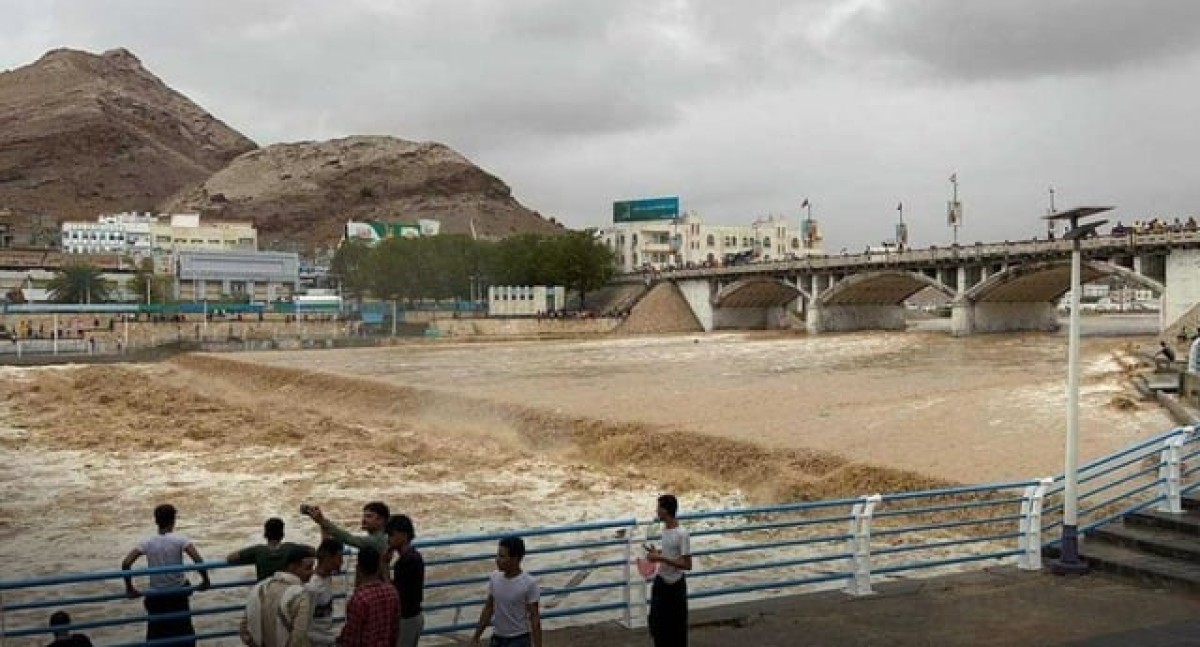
(587, 572)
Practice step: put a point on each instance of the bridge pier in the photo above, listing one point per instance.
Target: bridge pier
(699, 294)
(967, 318)
(852, 317)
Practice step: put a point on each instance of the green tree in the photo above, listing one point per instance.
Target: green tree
(79, 283)
(146, 287)
(581, 262)
(350, 266)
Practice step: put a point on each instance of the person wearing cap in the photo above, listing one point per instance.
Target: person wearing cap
(63, 637)
(408, 576)
(278, 609)
(269, 557)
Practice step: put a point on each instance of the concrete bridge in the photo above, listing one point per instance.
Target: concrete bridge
(993, 287)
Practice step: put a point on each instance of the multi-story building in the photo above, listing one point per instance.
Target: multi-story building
(121, 233)
(184, 232)
(689, 242)
(145, 234)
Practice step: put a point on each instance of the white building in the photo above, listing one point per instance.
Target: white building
(525, 300)
(689, 242)
(121, 233)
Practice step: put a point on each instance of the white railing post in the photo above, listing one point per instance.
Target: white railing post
(629, 616)
(1169, 475)
(860, 545)
(1030, 540)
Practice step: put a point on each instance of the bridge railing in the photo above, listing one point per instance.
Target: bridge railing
(978, 252)
(588, 571)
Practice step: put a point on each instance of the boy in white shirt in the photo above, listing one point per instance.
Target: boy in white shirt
(512, 603)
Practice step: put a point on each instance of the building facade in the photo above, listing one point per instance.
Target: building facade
(184, 232)
(690, 242)
(218, 276)
(145, 234)
(525, 300)
(121, 233)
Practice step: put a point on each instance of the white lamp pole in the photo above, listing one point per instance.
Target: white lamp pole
(1069, 561)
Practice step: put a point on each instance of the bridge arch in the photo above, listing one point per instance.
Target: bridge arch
(1048, 281)
(757, 292)
(885, 287)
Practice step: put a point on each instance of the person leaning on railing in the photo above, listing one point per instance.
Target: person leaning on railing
(168, 592)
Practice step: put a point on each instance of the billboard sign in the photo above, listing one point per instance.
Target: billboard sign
(646, 209)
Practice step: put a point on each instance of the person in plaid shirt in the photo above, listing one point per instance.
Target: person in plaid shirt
(373, 612)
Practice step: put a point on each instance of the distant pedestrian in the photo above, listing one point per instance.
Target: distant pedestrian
(168, 592)
(373, 611)
(668, 594)
(63, 637)
(1167, 353)
(267, 558)
(408, 576)
(512, 606)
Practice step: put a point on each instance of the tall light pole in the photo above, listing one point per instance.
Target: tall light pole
(1069, 561)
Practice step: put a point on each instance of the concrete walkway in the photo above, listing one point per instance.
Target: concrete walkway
(1001, 606)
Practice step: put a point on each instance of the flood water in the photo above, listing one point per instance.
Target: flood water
(485, 436)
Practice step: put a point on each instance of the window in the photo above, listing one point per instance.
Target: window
(633, 239)
(795, 243)
(766, 243)
(712, 240)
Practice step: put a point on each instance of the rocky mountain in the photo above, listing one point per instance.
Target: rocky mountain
(305, 192)
(82, 134)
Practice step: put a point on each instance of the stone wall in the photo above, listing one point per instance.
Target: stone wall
(522, 327)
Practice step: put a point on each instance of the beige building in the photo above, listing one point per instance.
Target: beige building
(185, 233)
(690, 242)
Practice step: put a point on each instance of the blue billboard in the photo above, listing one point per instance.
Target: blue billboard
(646, 209)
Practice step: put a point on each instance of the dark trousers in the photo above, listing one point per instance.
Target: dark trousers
(180, 628)
(669, 613)
(524, 640)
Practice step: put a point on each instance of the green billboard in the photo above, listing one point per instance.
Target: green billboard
(646, 209)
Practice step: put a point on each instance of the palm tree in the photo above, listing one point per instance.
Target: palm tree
(79, 283)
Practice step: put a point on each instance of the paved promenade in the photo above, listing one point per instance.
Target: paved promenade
(1000, 606)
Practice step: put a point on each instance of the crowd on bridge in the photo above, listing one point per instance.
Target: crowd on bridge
(1155, 226)
(292, 602)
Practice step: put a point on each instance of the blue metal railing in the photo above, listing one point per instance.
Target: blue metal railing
(586, 570)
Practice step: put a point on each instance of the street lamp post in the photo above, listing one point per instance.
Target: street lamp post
(1069, 561)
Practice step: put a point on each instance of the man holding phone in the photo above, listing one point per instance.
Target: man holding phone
(668, 594)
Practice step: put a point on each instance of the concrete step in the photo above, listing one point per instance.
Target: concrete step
(1151, 569)
(1188, 522)
(1146, 539)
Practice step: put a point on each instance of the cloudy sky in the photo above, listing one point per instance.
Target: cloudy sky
(742, 108)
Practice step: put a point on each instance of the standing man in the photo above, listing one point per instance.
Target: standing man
(278, 610)
(668, 594)
(373, 611)
(408, 576)
(269, 557)
(512, 603)
(374, 519)
(168, 592)
(320, 588)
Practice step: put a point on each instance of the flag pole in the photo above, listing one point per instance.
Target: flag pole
(955, 215)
